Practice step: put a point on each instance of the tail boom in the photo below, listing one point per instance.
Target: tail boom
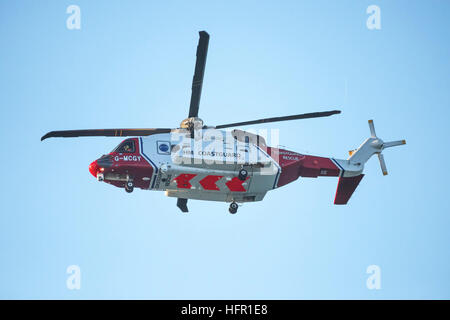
(350, 172)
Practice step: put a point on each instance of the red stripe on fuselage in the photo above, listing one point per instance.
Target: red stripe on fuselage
(183, 180)
(294, 165)
(235, 184)
(209, 182)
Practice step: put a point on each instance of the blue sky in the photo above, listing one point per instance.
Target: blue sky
(131, 65)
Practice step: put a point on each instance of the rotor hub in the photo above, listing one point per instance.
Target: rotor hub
(378, 143)
(192, 123)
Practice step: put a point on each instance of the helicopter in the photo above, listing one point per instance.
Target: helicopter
(200, 162)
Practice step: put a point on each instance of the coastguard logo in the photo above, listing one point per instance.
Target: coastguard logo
(163, 147)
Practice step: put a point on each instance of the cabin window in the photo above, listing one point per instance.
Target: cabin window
(125, 147)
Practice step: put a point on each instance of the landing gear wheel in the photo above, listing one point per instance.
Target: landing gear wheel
(242, 174)
(129, 186)
(233, 208)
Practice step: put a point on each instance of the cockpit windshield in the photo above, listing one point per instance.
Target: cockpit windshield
(125, 147)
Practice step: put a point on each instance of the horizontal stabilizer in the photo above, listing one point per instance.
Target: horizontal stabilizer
(346, 187)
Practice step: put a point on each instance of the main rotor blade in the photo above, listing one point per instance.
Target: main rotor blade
(104, 133)
(276, 119)
(197, 81)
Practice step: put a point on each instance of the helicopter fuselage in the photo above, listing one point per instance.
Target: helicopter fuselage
(206, 168)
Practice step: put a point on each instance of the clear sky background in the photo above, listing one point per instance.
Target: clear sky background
(131, 65)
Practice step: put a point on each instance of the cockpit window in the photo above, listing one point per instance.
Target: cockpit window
(125, 147)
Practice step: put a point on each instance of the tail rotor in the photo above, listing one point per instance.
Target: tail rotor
(379, 145)
(373, 145)
(352, 168)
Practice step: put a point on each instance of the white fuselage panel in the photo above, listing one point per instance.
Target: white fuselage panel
(207, 169)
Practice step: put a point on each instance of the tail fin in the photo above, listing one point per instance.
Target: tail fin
(351, 169)
(345, 188)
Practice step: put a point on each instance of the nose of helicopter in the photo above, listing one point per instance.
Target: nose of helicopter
(94, 168)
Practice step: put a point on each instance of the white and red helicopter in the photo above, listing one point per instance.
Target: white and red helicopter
(207, 163)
